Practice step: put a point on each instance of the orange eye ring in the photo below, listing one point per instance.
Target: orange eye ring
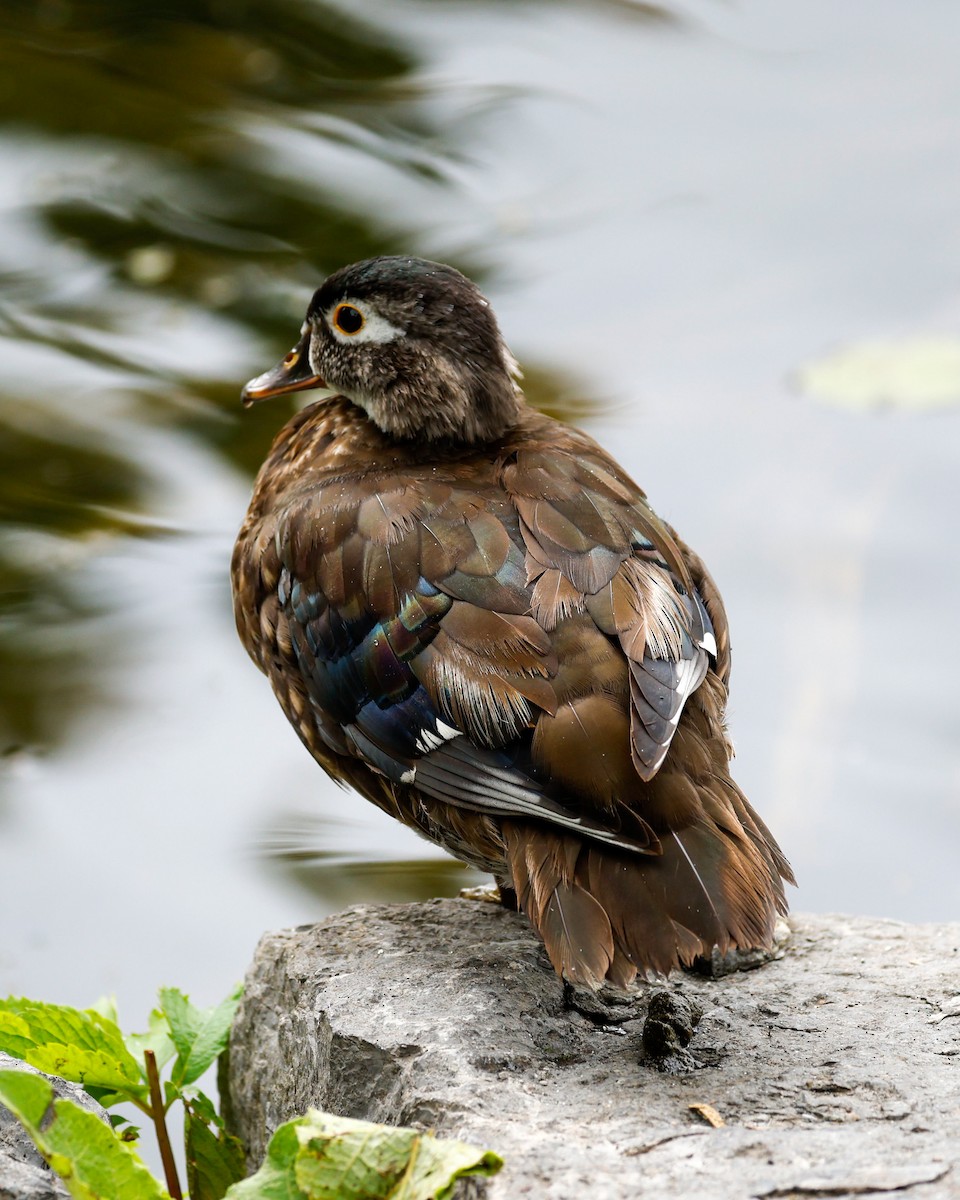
(347, 319)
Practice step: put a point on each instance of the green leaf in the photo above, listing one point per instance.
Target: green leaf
(157, 1038)
(124, 1128)
(85, 1153)
(214, 1160)
(199, 1034)
(441, 1162)
(26, 1095)
(106, 1006)
(82, 1046)
(370, 1161)
(322, 1157)
(276, 1179)
(203, 1106)
(107, 1097)
(908, 373)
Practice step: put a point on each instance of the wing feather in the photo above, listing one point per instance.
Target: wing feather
(514, 654)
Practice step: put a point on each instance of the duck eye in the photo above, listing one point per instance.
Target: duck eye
(348, 319)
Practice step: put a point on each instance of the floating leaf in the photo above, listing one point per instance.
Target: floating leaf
(84, 1152)
(82, 1046)
(199, 1034)
(322, 1157)
(912, 373)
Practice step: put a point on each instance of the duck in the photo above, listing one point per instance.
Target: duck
(472, 617)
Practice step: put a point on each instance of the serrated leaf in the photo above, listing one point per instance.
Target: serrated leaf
(907, 373)
(214, 1161)
(80, 1045)
(322, 1157)
(85, 1153)
(199, 1034)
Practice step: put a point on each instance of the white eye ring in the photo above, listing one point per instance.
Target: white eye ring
(374, 328)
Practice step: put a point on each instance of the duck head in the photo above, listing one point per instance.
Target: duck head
(413, 343)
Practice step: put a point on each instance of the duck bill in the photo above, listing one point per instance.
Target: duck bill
(292, 374)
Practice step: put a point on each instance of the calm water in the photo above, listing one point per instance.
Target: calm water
(673, 209)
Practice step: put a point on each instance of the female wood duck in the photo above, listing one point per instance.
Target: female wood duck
(470, 614)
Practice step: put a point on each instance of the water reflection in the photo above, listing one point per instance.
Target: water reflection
(322, 856)
(62, 497)
(161, 235)
(161, 126)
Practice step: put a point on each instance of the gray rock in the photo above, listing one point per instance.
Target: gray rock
(23, 1173)
(834, 1070)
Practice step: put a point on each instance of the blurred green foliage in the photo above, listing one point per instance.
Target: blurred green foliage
(60, 496)
(148, 196)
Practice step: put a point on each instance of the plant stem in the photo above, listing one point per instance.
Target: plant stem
(160, 1124)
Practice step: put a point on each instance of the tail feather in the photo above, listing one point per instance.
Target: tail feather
(762, 838)
(607, 915)
(573, 924)
(576, 932)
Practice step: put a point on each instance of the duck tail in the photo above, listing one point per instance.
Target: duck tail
(606, 915)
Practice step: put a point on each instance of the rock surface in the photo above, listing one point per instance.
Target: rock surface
(23, 1173)
(835, 1070)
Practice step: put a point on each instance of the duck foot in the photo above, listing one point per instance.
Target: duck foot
(609, 1007)
(718, 965)
(492, 894)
